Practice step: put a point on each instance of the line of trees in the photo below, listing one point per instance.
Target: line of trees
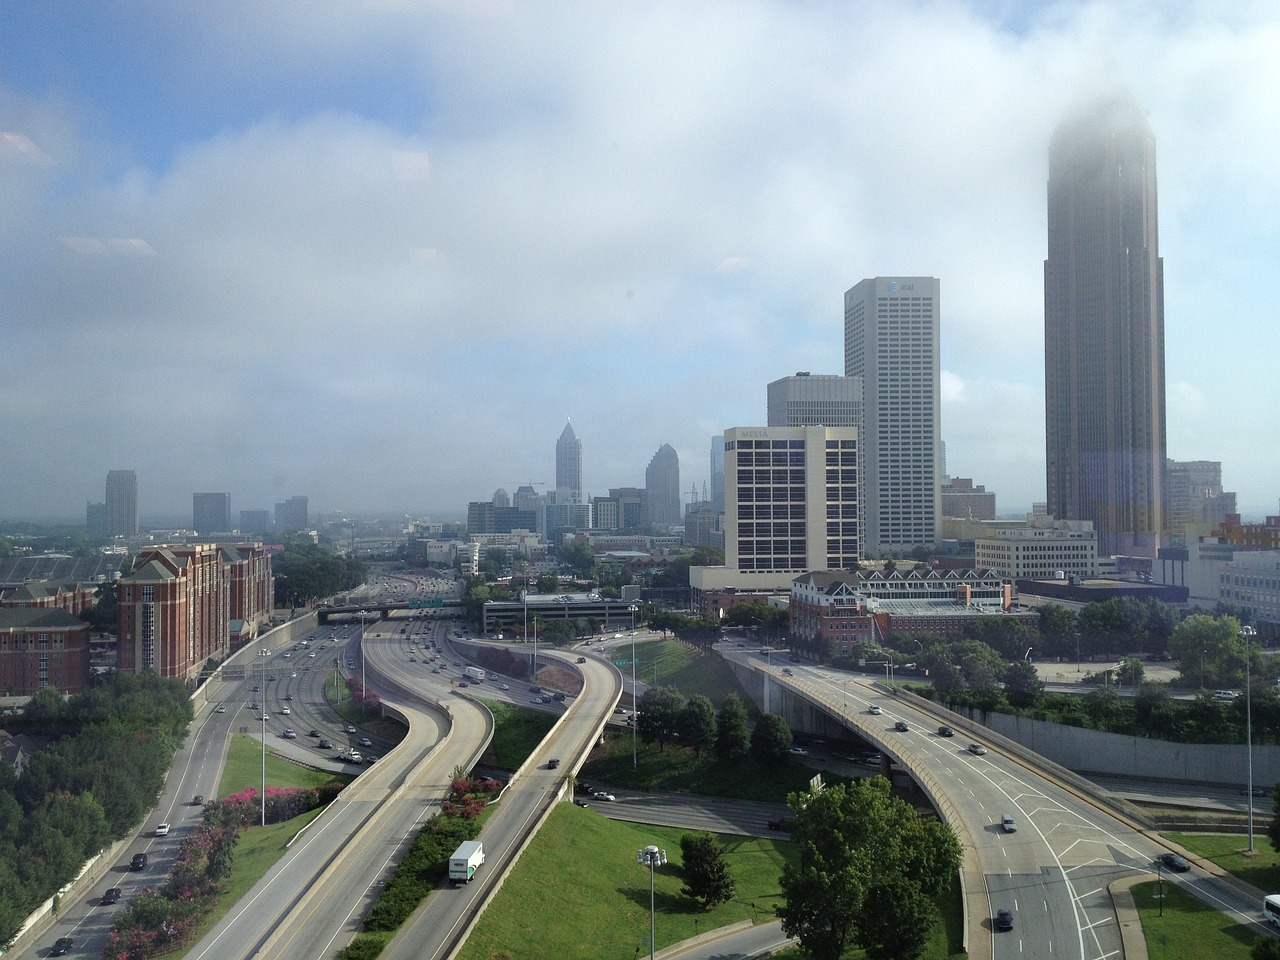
(110, 748)
(306, 570)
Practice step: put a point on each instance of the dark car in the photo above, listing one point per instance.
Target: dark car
(553, 763)
(139, 862)
(325, 745)
(314, 733)
(1004, 919)
(198, 800)
(111, 896)
(583, 787)
(582, 659)
(901, 726)
(945, 731)
(61, 946)
(1174, 862)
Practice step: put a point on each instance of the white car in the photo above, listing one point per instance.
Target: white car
(221, 709)
(162, 830)
(602, 795)
(365, 742)
(505, 686)
(875, 708)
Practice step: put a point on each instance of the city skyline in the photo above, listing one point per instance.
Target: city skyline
(380, 260)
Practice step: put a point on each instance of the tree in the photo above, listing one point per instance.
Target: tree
(771, 739)
(706, 874)
(860, 849)
(1273, 831)
(1057, 632)
(1208, 650)
(697, 724)
(1265, 948)
(733, 740)
(547, 583)
(659, 719)
(1022, 685)
(579, 557)
(946, 677)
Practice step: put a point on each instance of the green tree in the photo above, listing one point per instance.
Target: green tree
(548, 583)
(733, 740)
(706, 873)
(1273, 830)
(1265, 948)
(1102, 705)
(860, 848)
(1058, 632)
(1022, 685)
(1154, 710)
(1131, 671)
(659, 719)
(1208, 650)
(697, 724)
(579, 557)
(771, 738)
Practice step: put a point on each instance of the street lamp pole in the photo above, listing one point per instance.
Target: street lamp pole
(654, 858)
(1247, 633)
(262, 725)
(635, 724)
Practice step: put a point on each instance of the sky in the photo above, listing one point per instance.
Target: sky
(377, 253)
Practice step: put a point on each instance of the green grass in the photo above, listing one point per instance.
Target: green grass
(1189, 929)
(1229, 851)
(577, 892)
(244, 769)
(682, 666)
(517, 731)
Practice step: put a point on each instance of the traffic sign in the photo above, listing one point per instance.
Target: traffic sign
(621, 663)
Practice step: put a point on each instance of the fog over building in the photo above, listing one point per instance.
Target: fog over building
(211, 512)
(1104, 328)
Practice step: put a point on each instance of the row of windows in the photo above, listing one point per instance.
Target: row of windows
(771, 476)
(766, 494)
(843, 459)
(769, 445)
(778, 529)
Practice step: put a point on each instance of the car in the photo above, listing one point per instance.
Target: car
(582, 659)
(977, 749)
(112, 895)
(221, 709)
(198, 800)
(256, 689)
(413, 659)
(350, 728)
(945, 731)
(354, 757)
(603, 795)
(289, 734)
(370, 760)
(61, 946)
(162, 829)
(314, 733)
(311, 654)
(1004, 919)
(287, 655)
(505, 686)
(464, 684)
(536, 700)
(553, 763)
(873, 759)
(1175, 862)
(582, 787)
(620, 711)
(285, 711)
(581, 803)
(325, 744)
(875, 709)
(254, 706)
(139, 862)
(786, 672)
(365, 742)
(271, 679)
(1008, 824)
(799, 752)
(289, 696)
(901, 726)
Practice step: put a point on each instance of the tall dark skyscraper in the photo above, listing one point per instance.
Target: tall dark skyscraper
(1104, 328)
(568, 467)
(122, 503)
(211, 512)
(662, 487)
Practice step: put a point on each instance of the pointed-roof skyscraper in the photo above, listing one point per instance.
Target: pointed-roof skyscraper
(568, 467)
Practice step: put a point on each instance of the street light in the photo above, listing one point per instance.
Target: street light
(262, 725)
(655, 858)
(635, 724)
(363, 614)
(1247, 633)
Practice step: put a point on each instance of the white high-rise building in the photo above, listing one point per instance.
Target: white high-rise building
(891, 343)
(808, 400)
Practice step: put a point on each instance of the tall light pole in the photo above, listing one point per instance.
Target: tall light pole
(262, 726)
(1247, 633)
(363, 614)
(655, 858)
(635, 724)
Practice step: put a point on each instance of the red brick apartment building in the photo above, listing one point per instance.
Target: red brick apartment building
(180, 605)
(74, 598)
(42, 647)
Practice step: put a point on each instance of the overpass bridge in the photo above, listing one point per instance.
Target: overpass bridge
(435, 607)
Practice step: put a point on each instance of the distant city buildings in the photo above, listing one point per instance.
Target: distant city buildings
(891, 343)
(255, 523)
(809, 400)
(568, 466)
(1042, 548)
(1195, 501)
(211, 513)
(717, 473)
(291, 515)
(95, 519)
(963, 499)
(1104, 328)
(122, 503)
(662, 488)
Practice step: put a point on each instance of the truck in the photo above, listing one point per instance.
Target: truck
(465, 860)
(474, 673)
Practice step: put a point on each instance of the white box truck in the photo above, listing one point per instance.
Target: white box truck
(474, 673)
(465, 860)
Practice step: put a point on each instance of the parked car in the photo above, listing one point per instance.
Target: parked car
(1174, 862)
(162, 829)
(1004, 919)
(112, 895)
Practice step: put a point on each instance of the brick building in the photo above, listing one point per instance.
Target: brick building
(42, 647)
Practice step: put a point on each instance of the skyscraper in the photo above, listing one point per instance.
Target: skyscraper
(662, 487)
(824, 400)
(211, 512)
(1104, 328)
(292, 514)
(717, 473)
(122, 503)
(569, 466)
(891, 343)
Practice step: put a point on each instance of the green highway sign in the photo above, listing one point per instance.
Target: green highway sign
(621, 663)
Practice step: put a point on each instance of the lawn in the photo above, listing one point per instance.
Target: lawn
(244, 769)
(578, 892)
(517, 731)
(1260, 868)
(1189, 929)
(679, 665)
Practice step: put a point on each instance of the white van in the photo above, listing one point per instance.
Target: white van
(1225, 696)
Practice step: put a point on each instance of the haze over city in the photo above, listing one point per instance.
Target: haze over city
(377, 254)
